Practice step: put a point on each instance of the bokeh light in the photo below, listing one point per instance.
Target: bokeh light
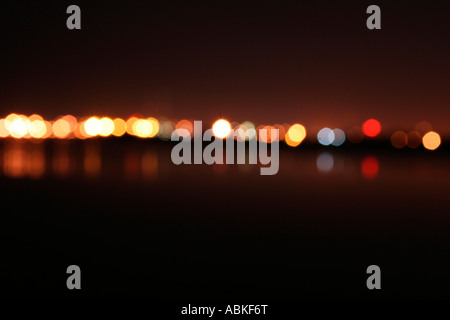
(93, 126)
(18, 127)
(431, 140)
(61, 128)
(325, 136)
(120, 127)
(371, 128)
(295, 135)
(221, 128)
(399, 139)
(107, 126)
(339, 137)
(355, 135)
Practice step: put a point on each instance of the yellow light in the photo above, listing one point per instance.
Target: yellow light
(295, 135)
(431, 140)
(10, 119)
(221, 128)
(37, 129)
(107, 126)
(120, 127)
(93, 126)
(155, 126)
(142, 128)
(61, 128)
(18, 128)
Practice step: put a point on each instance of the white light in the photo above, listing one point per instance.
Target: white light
(325, 136)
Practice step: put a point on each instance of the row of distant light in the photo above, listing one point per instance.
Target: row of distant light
(20, 126)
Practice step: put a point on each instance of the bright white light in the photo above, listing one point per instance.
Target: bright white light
(325, 136)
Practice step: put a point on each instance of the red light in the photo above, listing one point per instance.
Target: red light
(370, 167)
(371, 128)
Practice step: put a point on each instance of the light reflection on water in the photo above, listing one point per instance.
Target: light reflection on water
(133, 161)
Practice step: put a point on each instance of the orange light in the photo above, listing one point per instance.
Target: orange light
(130, 125)
(18, 127)
(371, 128)
(61, 128)
(431, 140)
(399, 139)
(3, 130)
(120, 127)
(295, 135)
(37, 129)
(186, 125)
(221, 128)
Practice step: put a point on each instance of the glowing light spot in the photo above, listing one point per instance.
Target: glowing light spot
(399, 139)
(61, 128)
(221, 128)
(295, 135)
(370, 168)
(325, 136)
(339, 137)
(166, 130)
(371, 128)
(93, 126)
(130, 125)
(155, 126)
(325, 162)
(107, 127)
(186, 125)
(72, 121)
(18, 128)
(268, 134)
(142, 128)
(37, 129)
(3, 130)
(120, 127)
(431, 140)
(281, 131)
(245, 131)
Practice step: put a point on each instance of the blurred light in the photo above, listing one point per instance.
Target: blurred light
(325, 136)
(245, 131)
(355, 135)
(93, 126)
(423, 127)
(130, 125)
(142, 128)
(265, 134)
(166, 129)
(61, 128)
(339, 137)
(3, 130)
(370, 167)
(281, 131)
(325, 162)
(72, 121)
(107, 127)
(186, 125)
(120, 127)
(155, 126)
(18, 128)
(431, 140)
(414, 139)
(37, 129)
(399, 139)
(371, 128)
(295, 135)
(221, 128)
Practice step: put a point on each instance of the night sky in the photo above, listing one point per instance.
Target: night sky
(313, 62)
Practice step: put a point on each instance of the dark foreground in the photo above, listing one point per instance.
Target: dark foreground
(139, 226)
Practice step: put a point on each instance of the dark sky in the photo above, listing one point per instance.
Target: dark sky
(309, 61)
